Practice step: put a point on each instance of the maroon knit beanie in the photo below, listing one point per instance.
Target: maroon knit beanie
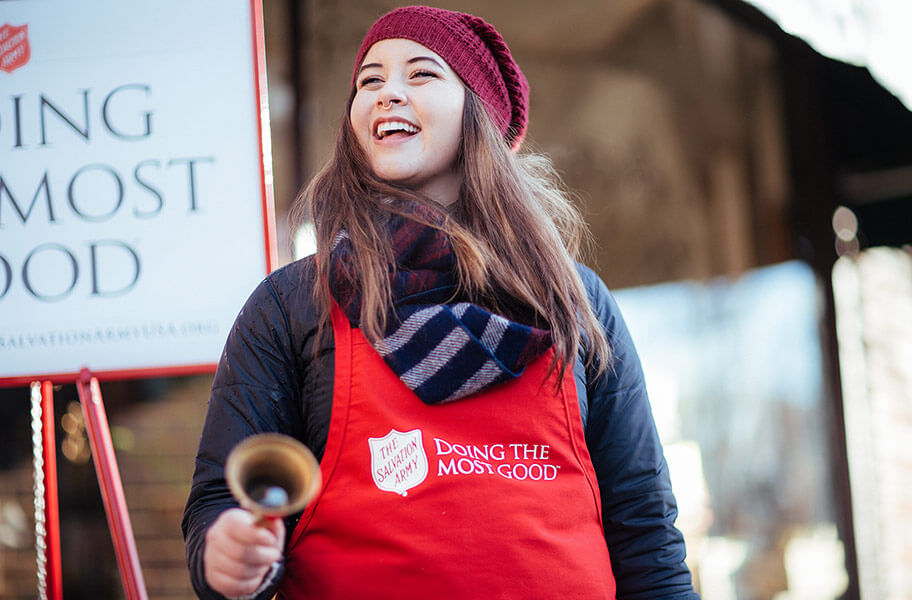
(473, 49)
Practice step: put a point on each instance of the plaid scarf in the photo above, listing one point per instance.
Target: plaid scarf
(443, 348)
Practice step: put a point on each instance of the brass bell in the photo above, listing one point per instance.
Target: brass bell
(272, 475)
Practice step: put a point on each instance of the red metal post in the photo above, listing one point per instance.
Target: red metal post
(54, 579)
(263, 133)
(111, 486)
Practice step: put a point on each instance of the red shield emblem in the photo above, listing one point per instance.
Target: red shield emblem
(14, 47)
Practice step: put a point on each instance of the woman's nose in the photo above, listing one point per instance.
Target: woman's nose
(389, 96)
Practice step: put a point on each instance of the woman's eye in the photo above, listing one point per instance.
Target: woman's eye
(423, 74)
(368, 80)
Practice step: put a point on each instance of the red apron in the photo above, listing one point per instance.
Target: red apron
(491, 496)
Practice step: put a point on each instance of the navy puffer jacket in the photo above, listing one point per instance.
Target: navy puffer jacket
(276, 374)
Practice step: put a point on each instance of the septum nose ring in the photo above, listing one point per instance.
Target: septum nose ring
(387, 104)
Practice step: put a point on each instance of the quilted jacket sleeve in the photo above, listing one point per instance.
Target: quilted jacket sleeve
(638, 507)
(253, 392)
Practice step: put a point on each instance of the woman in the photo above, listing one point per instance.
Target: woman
(472, 393)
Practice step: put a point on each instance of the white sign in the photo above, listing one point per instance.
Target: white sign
(135, 197)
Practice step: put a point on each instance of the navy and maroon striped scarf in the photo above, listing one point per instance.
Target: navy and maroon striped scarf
(442, 347)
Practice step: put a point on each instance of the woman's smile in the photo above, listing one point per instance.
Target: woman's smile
(394, 129)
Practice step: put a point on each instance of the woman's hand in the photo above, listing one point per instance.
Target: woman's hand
(239, 553)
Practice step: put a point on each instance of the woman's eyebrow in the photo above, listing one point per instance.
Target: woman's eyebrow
(369, 66)
(420, 58)
(409, 61)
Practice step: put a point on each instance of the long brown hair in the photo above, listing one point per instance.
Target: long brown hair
(514, 230)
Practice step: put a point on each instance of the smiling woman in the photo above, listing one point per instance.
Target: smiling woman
(444, 311)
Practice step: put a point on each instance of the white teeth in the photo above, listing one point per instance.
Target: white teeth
(387, 126)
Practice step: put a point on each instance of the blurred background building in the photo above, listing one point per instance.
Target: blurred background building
(749, 191)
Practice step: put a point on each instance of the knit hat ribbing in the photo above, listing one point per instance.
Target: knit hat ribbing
(473, 49)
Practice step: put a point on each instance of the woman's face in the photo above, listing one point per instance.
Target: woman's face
(407, 116)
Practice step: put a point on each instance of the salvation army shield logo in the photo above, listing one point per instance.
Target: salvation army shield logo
(14, 47)
(398, 461)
